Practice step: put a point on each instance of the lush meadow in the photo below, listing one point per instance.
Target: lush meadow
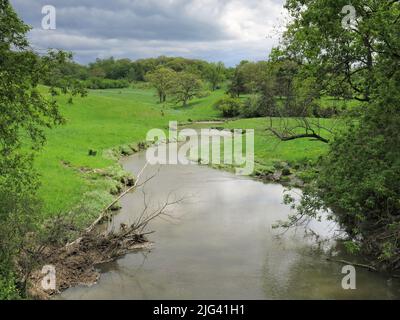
(117, 117)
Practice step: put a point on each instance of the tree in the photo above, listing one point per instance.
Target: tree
(215, 74)
(358, 179)
(237, 84)
(25, 113)
(162, 80)
(286, 71)
(186, 86)
(230, 107)
(61, 73)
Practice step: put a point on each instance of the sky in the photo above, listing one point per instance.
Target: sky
(213, 30)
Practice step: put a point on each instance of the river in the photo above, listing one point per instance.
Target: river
(218, 243)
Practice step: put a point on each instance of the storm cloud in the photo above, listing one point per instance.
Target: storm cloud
(215, 30)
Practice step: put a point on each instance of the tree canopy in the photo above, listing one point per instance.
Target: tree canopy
(162, 80)
(359, 179)
(25, 112)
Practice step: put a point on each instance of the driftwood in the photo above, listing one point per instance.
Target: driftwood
(106, 209)
(365, 266)
(91, 228)
(75, 263)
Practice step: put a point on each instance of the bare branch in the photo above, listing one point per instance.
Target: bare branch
(284, 137)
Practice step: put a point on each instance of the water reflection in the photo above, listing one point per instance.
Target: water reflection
(221, 245)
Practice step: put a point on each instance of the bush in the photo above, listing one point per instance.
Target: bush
(230, 107)
(8, 289)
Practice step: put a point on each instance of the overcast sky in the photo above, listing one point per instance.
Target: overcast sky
(214, 30)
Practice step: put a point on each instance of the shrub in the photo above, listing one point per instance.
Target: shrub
(8, 290)
(230, 107)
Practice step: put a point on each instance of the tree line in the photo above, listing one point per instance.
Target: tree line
(121, 72)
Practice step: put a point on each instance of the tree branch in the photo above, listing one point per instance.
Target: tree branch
(283, 137)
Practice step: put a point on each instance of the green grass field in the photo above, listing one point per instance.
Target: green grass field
(110, 118)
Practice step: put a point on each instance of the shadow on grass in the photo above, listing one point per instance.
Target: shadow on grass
(188, 106)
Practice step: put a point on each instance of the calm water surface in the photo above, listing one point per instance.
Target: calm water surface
(219, 244)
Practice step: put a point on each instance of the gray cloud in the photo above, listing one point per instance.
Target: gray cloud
(227, 30)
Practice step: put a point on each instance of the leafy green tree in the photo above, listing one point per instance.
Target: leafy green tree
(59, 72)
(237, 84)
(162, 80)
(25, 113)
(358, 179)
(285, 73)
(254, 74)
(186, 86)
(230, 107)
(215, 74)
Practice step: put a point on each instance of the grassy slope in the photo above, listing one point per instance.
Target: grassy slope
(104, 119)
(108, 118)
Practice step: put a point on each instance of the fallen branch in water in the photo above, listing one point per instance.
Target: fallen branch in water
(75, 263)
(106, 209)
(365, 266)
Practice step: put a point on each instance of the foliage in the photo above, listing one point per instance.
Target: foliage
(8, 289)
(111, 69)
(285, 71)
(237, 83)
(230, 107)
(25, 115)
(358, 180)
(258, 106)
(185, 87)
(58, 72)
(126, 69)
(100, 83)
(162, 80)
(215, 74)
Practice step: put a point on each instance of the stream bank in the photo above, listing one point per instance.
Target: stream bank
(219, 244)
